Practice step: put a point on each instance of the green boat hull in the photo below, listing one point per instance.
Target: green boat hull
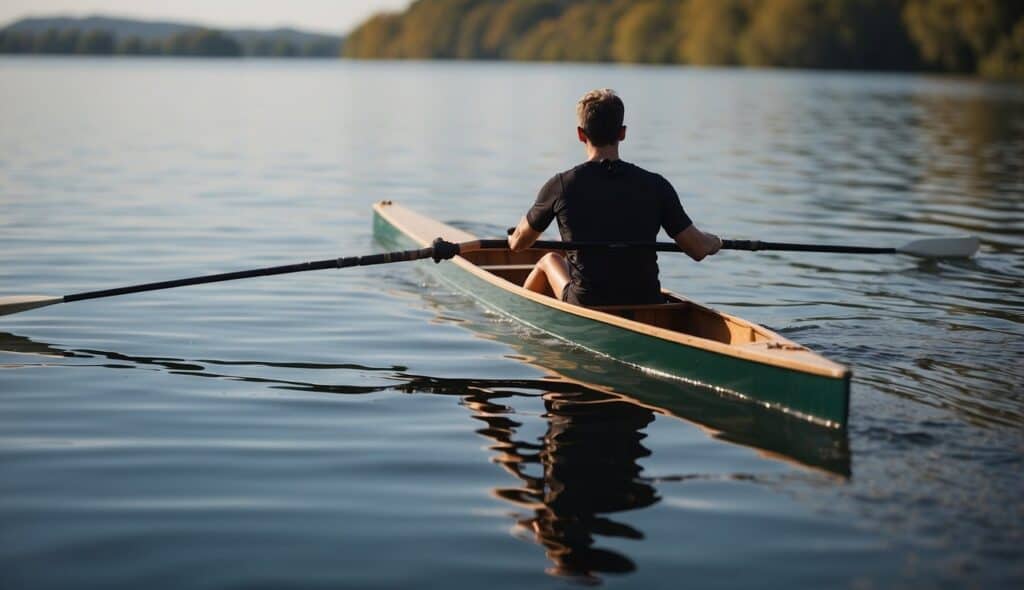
(824, 400)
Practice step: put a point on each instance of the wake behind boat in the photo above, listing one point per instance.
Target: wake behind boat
(680, 338)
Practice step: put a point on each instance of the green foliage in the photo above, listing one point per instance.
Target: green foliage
(584, 32)
(48, 42)
(282, 48)
(1006, 60)
(375, 38)
(202, 42)
(967, 36)
(790, 33)
(261, 47)
(956, 35)
(595, 43)
(195, 42)
(271, 47)
(16, 42)
(431, 29)
(472, 28)
(949, 35)
(711, 31)
(870, 35)
(55, 42)
(513, 20)
(95, 43)
(647, 33)
(132, 46)
(322, 48)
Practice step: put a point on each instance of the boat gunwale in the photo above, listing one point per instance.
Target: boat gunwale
(816, 364)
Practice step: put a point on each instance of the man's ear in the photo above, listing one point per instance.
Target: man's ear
(582, 135)
(622, 133)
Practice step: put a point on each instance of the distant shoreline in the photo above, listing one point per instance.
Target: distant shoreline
(107, 36)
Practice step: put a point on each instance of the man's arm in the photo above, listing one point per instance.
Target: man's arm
(677, 223)
(540, 215)
(523, 237)
(698, 244)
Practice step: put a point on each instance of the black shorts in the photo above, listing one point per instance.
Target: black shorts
(571, 295)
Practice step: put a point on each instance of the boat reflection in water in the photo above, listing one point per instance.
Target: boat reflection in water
(584, 468)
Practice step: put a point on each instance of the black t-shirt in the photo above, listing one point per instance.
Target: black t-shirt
(610, 201)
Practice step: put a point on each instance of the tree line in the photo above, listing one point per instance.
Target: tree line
(195, 42)
(983, 37)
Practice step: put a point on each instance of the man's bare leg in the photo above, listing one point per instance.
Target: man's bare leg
(549, 275)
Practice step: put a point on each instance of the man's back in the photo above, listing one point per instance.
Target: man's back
(606, 200)
(610, 201)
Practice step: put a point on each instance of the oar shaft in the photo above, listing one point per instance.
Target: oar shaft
(755, 245)
(371, 259)
(749, 245)
(559, 245)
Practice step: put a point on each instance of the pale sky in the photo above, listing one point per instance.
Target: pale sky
(336, 16)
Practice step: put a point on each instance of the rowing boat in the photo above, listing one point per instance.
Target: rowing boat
(679, 339)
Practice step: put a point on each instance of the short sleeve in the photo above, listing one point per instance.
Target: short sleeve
(543, 210)
(673, 218)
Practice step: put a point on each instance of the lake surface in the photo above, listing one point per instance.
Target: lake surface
(371, 428)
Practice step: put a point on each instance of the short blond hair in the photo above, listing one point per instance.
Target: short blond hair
(600, 114)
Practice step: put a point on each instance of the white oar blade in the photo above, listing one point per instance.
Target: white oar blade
(9, 305)
(962, 247)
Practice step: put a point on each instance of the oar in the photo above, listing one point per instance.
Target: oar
(963, 247)
(440, 250)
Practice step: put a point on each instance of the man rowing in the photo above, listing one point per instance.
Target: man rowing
(606, 200)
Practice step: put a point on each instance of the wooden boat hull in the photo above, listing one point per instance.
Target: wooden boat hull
(821, 398)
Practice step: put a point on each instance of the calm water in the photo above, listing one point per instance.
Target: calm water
(369, 428)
